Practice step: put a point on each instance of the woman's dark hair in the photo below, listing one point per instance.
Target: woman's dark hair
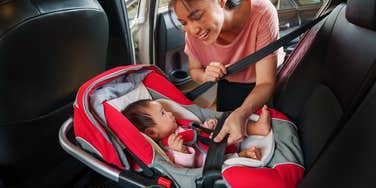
(230, 4)
(137, 116)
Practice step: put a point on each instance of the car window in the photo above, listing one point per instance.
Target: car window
(163, 3)
(308, 2)
(132, 8)
(293, 13)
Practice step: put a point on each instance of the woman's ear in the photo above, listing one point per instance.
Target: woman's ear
(151, 132)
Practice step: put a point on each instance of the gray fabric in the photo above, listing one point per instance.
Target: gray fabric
(185, 177)
(287, 147)
(115, 89)
(88, 147)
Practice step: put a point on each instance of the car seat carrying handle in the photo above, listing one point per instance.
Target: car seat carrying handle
(255, 57)
(214, 159)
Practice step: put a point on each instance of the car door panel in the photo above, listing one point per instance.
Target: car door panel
(170, 43)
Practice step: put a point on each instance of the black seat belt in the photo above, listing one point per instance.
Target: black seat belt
(255, 57)
(215, 157)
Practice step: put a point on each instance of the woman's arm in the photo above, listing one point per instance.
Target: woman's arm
(265, 82)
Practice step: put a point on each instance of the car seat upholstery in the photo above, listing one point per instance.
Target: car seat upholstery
(47, 50)
(327, 87)
(350, 159)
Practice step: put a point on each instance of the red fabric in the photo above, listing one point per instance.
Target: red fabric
(128, 134)
(85, 130)
(164, 182)
(160, 84)
(184, 122)
(282, 176)
(290, 173)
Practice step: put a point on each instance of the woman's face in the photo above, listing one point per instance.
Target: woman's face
(202, 19)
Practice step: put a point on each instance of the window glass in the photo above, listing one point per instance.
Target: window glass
(308, 2)
(293, 13)
(285, 4)
(132, 8)
(163, 3)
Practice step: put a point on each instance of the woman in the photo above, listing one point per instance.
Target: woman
(218, 34)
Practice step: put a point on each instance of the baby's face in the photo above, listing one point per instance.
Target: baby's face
(165, 121)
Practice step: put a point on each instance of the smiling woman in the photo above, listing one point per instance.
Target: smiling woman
(218, 34)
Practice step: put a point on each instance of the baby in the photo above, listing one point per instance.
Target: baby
(151, 118)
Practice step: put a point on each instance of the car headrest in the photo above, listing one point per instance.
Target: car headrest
(362, 13)
(48, 49)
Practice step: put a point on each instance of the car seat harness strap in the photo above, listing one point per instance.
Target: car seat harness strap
(214, 159)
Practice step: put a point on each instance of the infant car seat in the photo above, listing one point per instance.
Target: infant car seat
(128, 157)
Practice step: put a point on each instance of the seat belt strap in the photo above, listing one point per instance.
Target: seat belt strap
(215, 157)
(255, 57)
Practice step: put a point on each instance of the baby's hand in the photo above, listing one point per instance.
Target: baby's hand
(175, 142)
(211, 123)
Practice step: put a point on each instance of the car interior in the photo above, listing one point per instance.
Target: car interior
(48, 49)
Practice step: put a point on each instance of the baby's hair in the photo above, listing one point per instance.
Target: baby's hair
(135, 112)
(230, 4)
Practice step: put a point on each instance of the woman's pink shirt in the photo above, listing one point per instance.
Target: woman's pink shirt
(261, 29)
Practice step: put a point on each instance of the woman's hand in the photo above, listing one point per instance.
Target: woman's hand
(234, 125)
(175, 142)
(214, 71)
(265, 81)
